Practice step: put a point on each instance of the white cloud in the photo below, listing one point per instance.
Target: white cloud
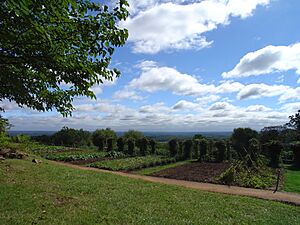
(257, 108)
(154, 78)
(221, 106)
(254, 91)
(127, 94)
(291, 107)
(208, 99)
(186, 105)
(267, 60)
(162, 25)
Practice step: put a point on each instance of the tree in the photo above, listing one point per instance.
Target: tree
(203, 146)
(295, 123)
(71, 137)
(130, 146)
(173, 147)
(221, 150)
(152, 146)
(100, 137)
(136, 135)
(4, 125)
(120, 144)
(187, 149)
(240, 140)
(54, 50)
(143, 146)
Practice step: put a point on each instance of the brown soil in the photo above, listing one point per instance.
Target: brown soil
(200, 172)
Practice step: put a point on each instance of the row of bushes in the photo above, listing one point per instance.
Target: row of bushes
(201, 149)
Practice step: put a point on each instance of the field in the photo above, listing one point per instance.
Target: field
(50, 194)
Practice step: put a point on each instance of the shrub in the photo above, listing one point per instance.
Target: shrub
(240, 140)
(99, 141)
(187, 149)
(296, 151)
(173, 147)
(143, 144)
(131, 145)
(114, 154)
(21, 138)
(120, 144)
(152, 146)
(203, 145)
(221, 149)
(195, 154)
(274, 148)
(254, 152)
(110, 144)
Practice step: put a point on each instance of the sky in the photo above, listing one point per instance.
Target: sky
(188, 65)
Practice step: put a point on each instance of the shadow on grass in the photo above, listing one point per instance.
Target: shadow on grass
(292, 167)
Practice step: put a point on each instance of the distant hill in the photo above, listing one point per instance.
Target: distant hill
(159, 136)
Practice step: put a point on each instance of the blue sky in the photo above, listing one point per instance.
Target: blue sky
(209, 65)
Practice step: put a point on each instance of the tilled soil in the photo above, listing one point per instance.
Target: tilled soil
(199, 172)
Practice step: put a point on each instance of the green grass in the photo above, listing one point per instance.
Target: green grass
(132, 163)
(292, 180)
(52, 194)
(148, 171)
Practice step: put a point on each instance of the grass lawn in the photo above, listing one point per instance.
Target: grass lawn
(148, 171)
(292, 179)
(52, 194)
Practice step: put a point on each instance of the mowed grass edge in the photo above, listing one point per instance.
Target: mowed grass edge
(291, 179)
(52, 194)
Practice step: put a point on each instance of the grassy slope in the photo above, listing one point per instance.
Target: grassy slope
(51, 194)
(292, 180)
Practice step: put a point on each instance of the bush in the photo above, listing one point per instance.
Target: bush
(100, 137)
(173, 147)
(99, 141)
(187, 149)
(71, 137)
(240, 140)
(120, 144)
(21, 138)
(296, 151)
(203, 145)
(274, 149)
(143, 144)
(152, 146)
(114, 154)
(196, 153)
(110, 144)
(221, 150)
(131, 145)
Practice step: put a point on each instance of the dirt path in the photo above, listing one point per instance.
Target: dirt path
(286, 197)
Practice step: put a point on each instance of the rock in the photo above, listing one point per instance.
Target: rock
(36, 161)
(1, 158)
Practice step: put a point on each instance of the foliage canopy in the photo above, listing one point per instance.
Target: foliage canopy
(54, 50)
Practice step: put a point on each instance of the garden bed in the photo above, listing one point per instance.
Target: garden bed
(132, 163)
(195, 171)
(75, 156)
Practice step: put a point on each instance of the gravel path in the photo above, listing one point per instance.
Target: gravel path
(291, 198)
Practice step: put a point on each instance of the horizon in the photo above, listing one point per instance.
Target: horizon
(209, 65)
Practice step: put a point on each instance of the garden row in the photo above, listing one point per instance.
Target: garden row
(133, 163)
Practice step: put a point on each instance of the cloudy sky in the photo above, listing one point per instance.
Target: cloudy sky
(189, 65)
